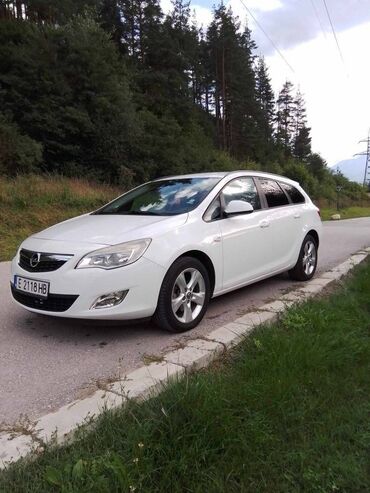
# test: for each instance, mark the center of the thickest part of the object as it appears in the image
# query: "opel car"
(165, 248)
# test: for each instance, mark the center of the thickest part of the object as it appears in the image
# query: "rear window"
(295, 195)
(274, 194)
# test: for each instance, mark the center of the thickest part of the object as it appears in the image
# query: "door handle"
(264, 223)
(297, 215)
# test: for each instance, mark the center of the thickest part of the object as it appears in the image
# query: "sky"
(336, 90)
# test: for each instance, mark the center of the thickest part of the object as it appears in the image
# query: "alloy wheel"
(309, 257)
(188, 295)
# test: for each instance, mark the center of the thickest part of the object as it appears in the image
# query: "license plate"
(30, 286)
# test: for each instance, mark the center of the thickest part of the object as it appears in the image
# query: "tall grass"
(30, 203)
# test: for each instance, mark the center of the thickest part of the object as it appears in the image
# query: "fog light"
(109, 300)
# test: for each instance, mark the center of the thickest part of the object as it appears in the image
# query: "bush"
(298, 172)
(18, 153)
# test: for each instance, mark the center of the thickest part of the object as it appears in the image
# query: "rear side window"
(295, 195)
(274, 194)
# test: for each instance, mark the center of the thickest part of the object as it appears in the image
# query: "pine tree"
(180, 16)
(141, 25)
(217, 39)
(197, 70)
(246, 125)
(301, 145)
(264, 93)
(45, 11)
(266, 112)
(204, 73)
(111, 20)
(181, 52)
(299, 113)
(285, 118)
(232, 83)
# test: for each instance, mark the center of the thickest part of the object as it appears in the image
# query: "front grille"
(53, 303)
(41, 262)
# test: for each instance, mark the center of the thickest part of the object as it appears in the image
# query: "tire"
(184, 296)
(305, 268)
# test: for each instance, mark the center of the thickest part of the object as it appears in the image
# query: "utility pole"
(339, 188)
(367, 163)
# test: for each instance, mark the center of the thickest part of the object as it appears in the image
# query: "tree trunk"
(141, 35)
(18, 5)
(217, 104)
(207, 97)
(223, 90)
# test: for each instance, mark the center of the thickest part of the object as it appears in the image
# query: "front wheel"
(306, 264)
(184, 296)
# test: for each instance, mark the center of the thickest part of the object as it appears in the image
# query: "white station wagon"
(165, 248)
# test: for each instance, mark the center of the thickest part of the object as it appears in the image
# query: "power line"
(267, 36)
(333, 31)
(318, 18)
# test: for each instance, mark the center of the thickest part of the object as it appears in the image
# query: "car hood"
(100, 229)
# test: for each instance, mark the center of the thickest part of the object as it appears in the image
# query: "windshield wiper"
(139, 213)
(105, 213)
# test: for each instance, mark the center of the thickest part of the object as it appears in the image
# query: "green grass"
(347, 213)
(287, 411)
(30, 203)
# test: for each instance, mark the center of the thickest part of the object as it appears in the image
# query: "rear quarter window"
(274, 194)
(295, 195)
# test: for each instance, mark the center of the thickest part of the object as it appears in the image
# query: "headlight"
(115, 256)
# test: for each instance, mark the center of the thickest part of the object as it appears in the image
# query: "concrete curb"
(149, 380)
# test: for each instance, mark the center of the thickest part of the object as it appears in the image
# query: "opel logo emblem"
(35, 259)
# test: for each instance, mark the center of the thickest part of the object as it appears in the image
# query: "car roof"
(223, 174)
(211, 174)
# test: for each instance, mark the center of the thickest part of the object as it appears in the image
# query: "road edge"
(30, 438)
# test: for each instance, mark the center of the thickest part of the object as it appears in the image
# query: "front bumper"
(142, 279)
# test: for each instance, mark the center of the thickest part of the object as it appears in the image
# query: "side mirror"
(235, 207)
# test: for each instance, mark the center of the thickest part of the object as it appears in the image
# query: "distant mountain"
(353, 169)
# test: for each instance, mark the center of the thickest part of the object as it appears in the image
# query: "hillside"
(31, 203)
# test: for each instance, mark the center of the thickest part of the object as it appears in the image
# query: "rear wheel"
(184, 296)
(305, 267)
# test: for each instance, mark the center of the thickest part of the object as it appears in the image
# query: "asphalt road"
(46, 362)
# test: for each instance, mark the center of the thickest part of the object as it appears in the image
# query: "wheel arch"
(206, 261)
(315, 235)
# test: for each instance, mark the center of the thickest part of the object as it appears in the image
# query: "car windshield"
(162, 197)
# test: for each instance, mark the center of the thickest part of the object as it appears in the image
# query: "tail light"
(319, 213)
